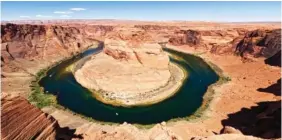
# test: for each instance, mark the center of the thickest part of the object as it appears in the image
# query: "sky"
(223, 11)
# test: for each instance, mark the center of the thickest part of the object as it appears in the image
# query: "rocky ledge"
(127, 75)
(20, 120)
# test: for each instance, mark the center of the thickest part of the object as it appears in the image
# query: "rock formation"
(20, 120)
(260, 43)
(252, 44)
(189, 37)
(127, 72)
(43, 42)
(261, 121)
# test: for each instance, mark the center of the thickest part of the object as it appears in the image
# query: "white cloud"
(63, 12)
(43, 16)
(65, 16)
(77, 9)
(24, 16)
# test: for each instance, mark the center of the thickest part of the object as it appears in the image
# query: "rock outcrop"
(260, 43)
(186, 37)
(230, 130)
(252, 44)
(203, 38)
(261, 121)
(20, 120)
(148, 55)
(46, 41)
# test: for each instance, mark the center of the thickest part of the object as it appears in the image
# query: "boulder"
(230, 130)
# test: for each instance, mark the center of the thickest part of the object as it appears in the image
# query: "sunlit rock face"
(148, 55)
(47, 42)
(126, 70)
(21, 120)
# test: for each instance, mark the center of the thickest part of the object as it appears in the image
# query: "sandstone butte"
(130, 75)
(247, 105)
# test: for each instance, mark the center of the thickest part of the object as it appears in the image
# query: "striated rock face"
(202, 38)
(148, 55)
(45, 41)
(133, 36)
(189, 37)
(257, 43)
(20, 120)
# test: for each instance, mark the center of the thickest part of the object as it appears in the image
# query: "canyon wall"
(55, 41)
(46, 41)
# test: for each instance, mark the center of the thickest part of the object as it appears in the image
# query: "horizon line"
(141, 20)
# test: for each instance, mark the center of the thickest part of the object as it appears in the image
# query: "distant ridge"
(119, 21)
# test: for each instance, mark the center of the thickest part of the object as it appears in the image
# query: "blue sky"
(147, 10)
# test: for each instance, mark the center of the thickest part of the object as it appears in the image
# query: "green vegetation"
(37, 96)
(199, 53)
(225, 78)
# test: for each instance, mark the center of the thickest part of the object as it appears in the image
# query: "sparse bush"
(226, 78)
(37, 96)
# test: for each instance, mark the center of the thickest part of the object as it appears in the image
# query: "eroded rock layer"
(260, 43)
(22, 121)
(45, 42)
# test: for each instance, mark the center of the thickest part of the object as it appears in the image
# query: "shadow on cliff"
(274, 60)
(66, 133)
(274, 88)
(261, 121)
